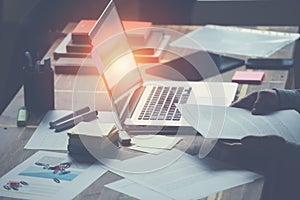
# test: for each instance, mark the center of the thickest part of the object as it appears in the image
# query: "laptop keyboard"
(160, 104)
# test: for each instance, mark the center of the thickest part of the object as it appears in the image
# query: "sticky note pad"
(248, 77)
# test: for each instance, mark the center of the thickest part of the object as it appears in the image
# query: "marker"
(71, 123)
(70, 116)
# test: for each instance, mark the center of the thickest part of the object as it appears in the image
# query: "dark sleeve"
(289, 99)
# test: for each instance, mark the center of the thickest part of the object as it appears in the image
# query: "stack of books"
(89, 137)
(73, 52)
(146, 43)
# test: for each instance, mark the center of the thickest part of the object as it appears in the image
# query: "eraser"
(124, 138)
(255, 77)
(22, 117)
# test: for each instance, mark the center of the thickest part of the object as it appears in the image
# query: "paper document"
(154, 144)
(46, 139)
(155, 141)
(186, 177)
(49, 175)
(236, 123)
(136, 190)
(234, 40)
(146, 149)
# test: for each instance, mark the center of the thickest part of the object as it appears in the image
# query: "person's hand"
(265, 147)
(260, 102)
(257, 153)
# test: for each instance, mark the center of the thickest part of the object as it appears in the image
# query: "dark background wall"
(258, 12)
(25, 25)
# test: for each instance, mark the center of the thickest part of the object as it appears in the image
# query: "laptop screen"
(114, 58)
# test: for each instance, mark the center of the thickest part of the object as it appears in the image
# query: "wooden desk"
(13, 139)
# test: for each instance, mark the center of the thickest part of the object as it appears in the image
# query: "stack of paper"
(236, 123)
(90, 136)
(154, 144)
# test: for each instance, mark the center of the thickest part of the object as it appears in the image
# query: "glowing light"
(118, 69)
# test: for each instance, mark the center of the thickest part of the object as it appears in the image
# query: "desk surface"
(13, 138)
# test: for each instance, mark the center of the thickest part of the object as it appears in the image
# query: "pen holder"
(39, 89)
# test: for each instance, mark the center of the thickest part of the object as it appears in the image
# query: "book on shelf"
(139, 34)
(71, 57)
(61, 50)
(79, 48)
(80, 34)
(137, 31)
(150, 46)
(157, 54)
(67, 62)
(75, 65)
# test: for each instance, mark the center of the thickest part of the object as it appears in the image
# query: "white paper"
(47, 139)
(186, 177)
(136, 190)
(155, 141)
(41, 184)
(236, 123)
(146, 149)
(142, 164)
(235, 40)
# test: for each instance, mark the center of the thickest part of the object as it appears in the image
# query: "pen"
(71, 123)
(37, 66)
(70, 116)
(29, 59)
(47, 63)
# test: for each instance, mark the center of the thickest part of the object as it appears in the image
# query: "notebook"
(145, 106)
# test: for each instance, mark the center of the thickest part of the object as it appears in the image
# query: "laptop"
(145, 106)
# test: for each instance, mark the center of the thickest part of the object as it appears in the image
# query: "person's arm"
(269, 100)
(288, 99)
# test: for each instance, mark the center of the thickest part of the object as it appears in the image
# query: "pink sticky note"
(248, 77)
